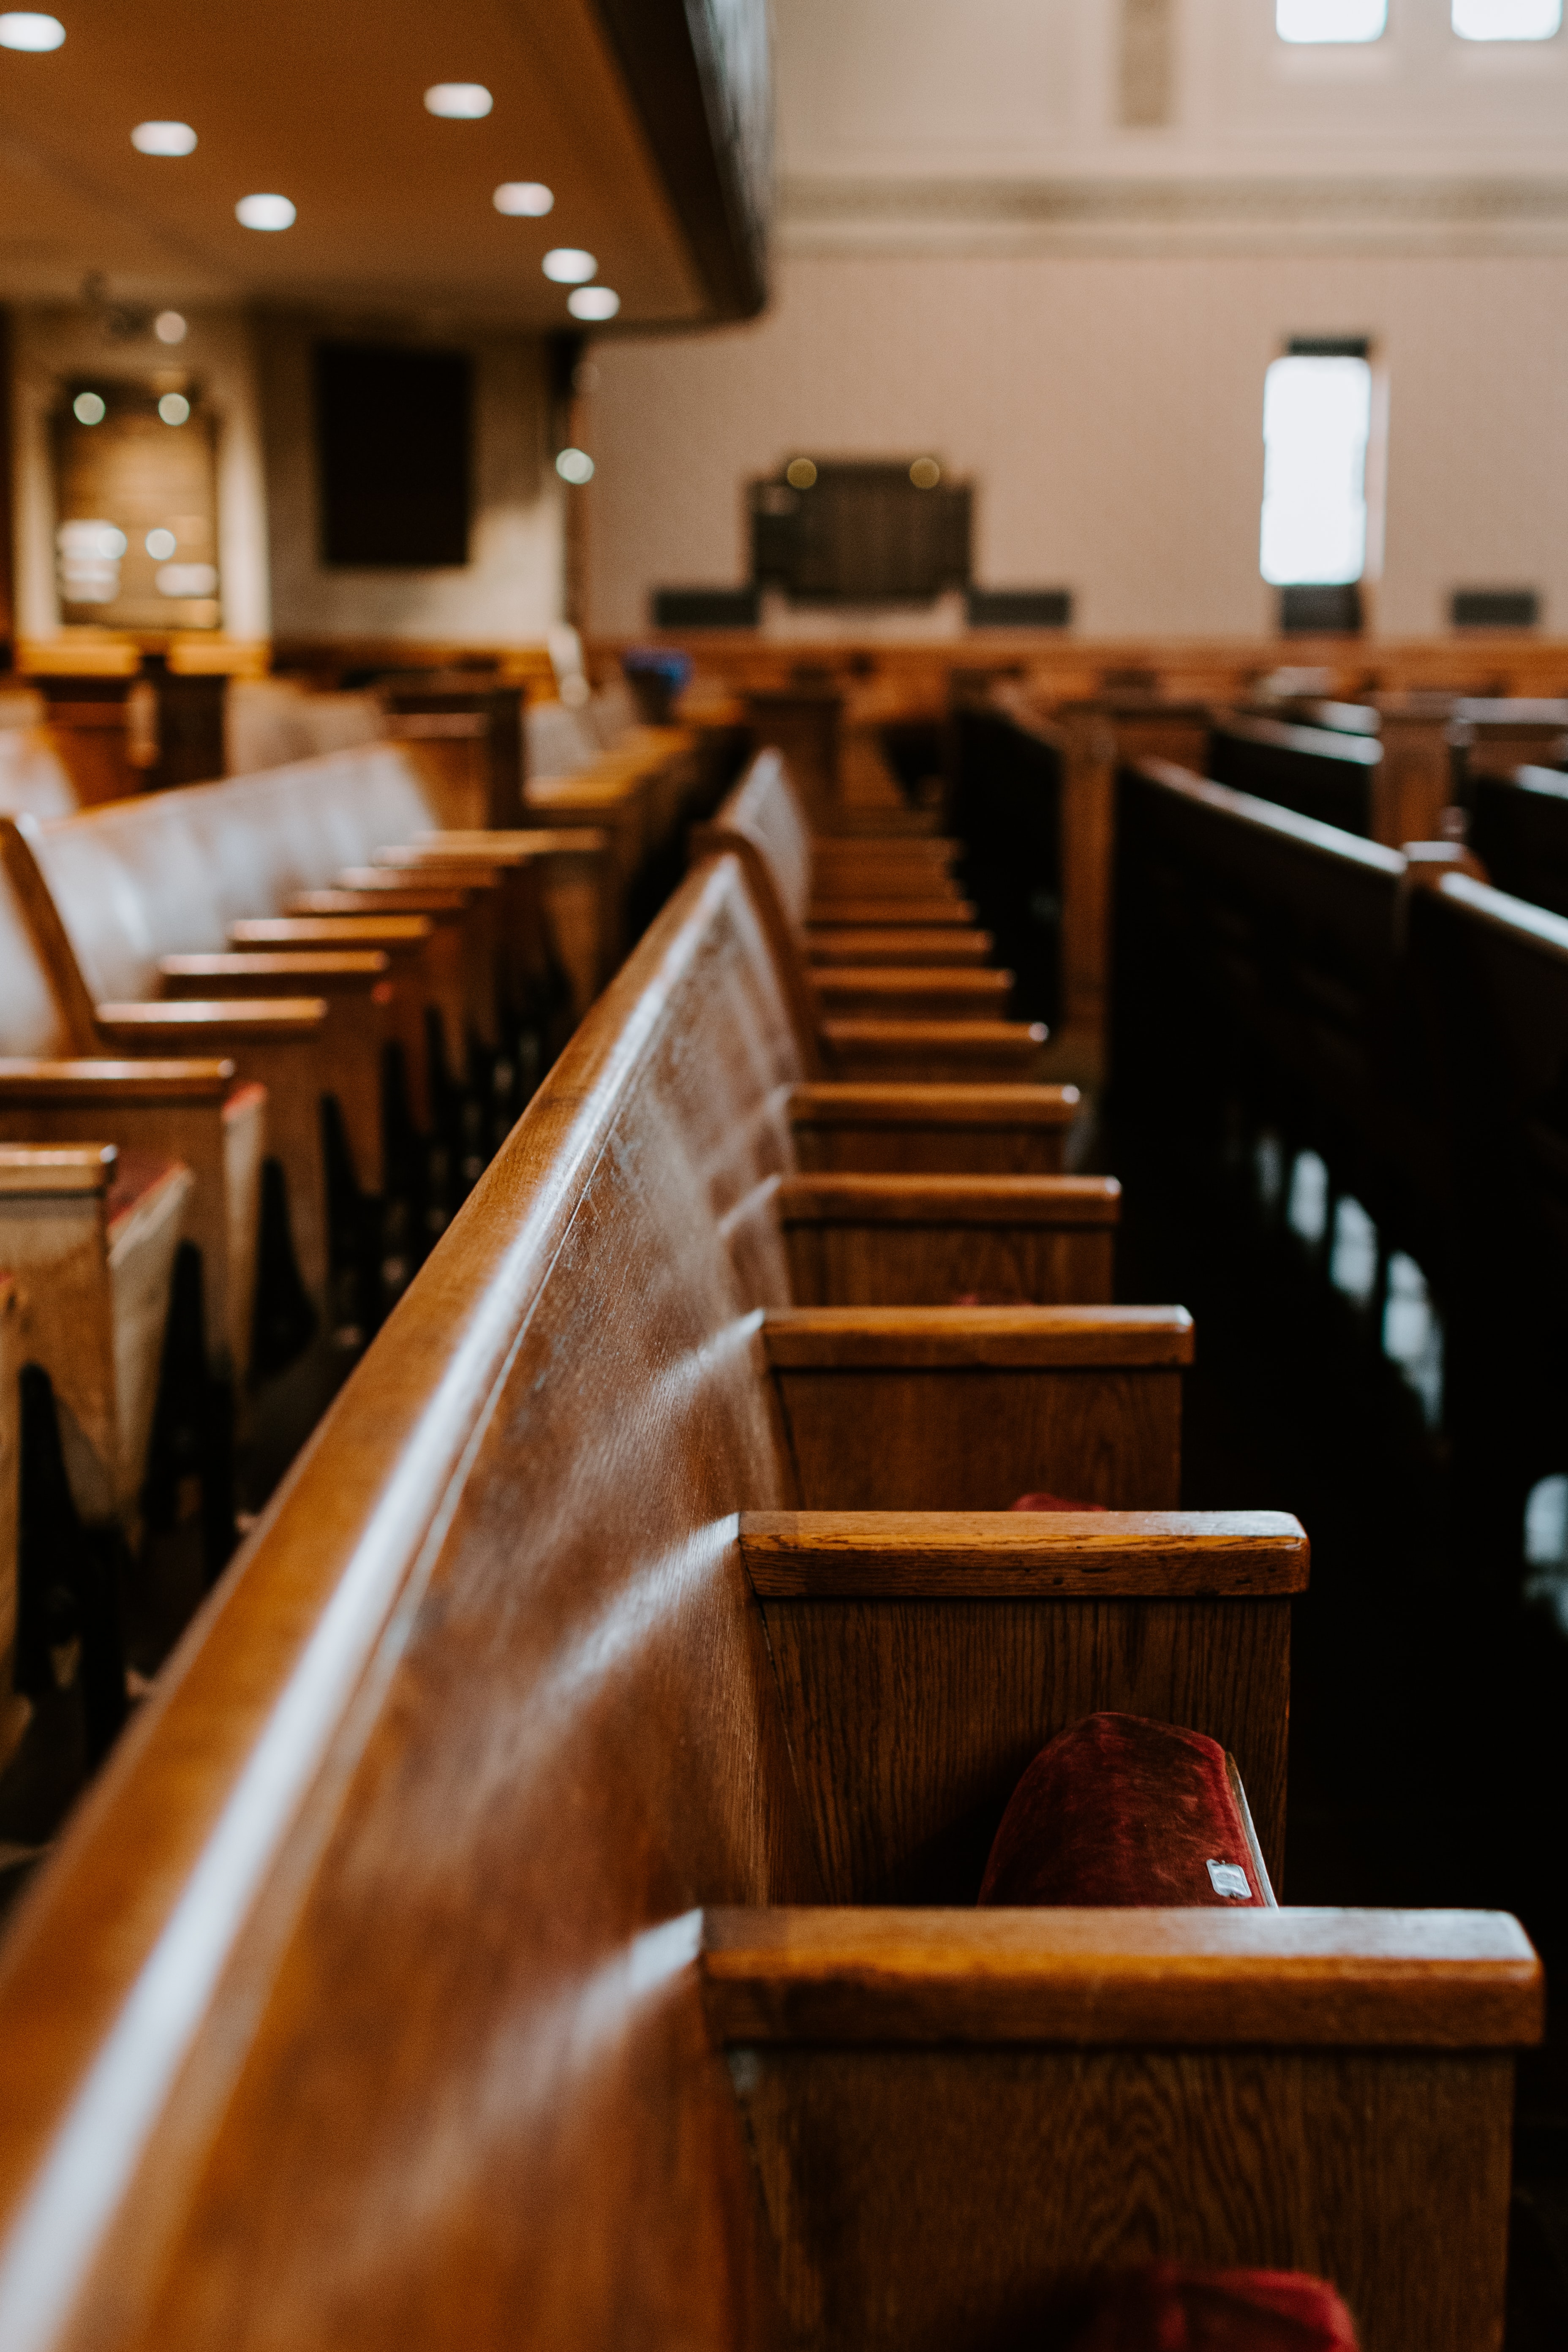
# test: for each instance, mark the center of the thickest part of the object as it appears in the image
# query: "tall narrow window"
(1507, 20)
(1341, 20)
(1316, 420)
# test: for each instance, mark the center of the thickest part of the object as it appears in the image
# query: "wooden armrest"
(892, 1105)
(864, 912)
(343, 968)
(392, 900)
(1020, 1555)
(113, 1083)
(951, 1339)
(390, 883)
(837, 946)
(974, 1036)
(390, 932)
(238, 1020)
(950, 1200)
(1297, 1978)
(56, 1168)
(532, 842)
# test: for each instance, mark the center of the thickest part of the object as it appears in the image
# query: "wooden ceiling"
(322, 100)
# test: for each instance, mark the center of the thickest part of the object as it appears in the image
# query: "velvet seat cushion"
(1120, 1812)
(1170, 2309)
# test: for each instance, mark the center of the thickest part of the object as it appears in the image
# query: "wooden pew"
(1492, 973)
(764, 823)
(484, 1748)
(33, 776)
(191, 1109)
(1316, 770)
(92, 930)
(1260, 977)
(1518, 831)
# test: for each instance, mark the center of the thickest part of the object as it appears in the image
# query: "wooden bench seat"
(762, 822)
(511, 1691)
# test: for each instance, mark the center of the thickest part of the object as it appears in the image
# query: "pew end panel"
(1005, 1130)
(923, 1660)
(911, 1241)
(287, 1047)
(193, 1111)
(1021, 2097)
(965, 1409)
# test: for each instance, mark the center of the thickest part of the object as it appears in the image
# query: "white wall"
(51, 345)
(511, 589)
(1109, 412)
(983, 258)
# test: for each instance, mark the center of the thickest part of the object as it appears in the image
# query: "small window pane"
(1317, 415)
(1341, 20)
(1507, 20)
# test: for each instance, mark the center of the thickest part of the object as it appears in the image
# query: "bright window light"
(1331, 20)
(265, 212)
(568, 265)
(20, 29)
(459, 102)
(187, 579)
(524, 199)
(594, 302)
(163, 139)
(1317, 415)
(1507, 20)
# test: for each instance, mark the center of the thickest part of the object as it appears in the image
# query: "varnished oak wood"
(880, 1240)
(14, 1711)
(897, 944)
(1205, 1978)
(894, 1129)
(1006, 1555)
(938, 1339)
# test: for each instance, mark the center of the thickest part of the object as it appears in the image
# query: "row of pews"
(725, 1804)
(258, 1039)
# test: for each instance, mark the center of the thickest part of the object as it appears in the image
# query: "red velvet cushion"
(1118, 1811)
(1169, 2310)
(1042, 1502)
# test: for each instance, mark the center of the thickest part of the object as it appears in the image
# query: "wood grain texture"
(832, 945)
(984, 2180)
(943, 993)
(892, 1129)
(937, 1338)
(1010, 1555)
(911, 1720)
(1208, 1977)
(856, 1047)
(860, 914)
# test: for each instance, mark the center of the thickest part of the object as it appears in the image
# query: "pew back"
(1518, 830)
(1318, 771)
(416, 1819)
(169, 873)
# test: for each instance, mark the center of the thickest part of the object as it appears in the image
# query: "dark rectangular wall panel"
(395, 455)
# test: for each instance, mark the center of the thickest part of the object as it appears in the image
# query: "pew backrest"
(170, 873)
(33, 776)
(1316, 770)
(1518, 830)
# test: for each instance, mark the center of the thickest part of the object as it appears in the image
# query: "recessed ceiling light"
(925, 473)
(169, 327)
(264, 212)
(20, 29)
(88, 408)
(575, 465)
(173, 408)
(568, 265)
(163, 139)
(594, 302)
(159, 545)
(800, 473)
(459, 102)
(531, 198)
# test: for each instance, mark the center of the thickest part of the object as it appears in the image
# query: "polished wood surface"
(14, 1711)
